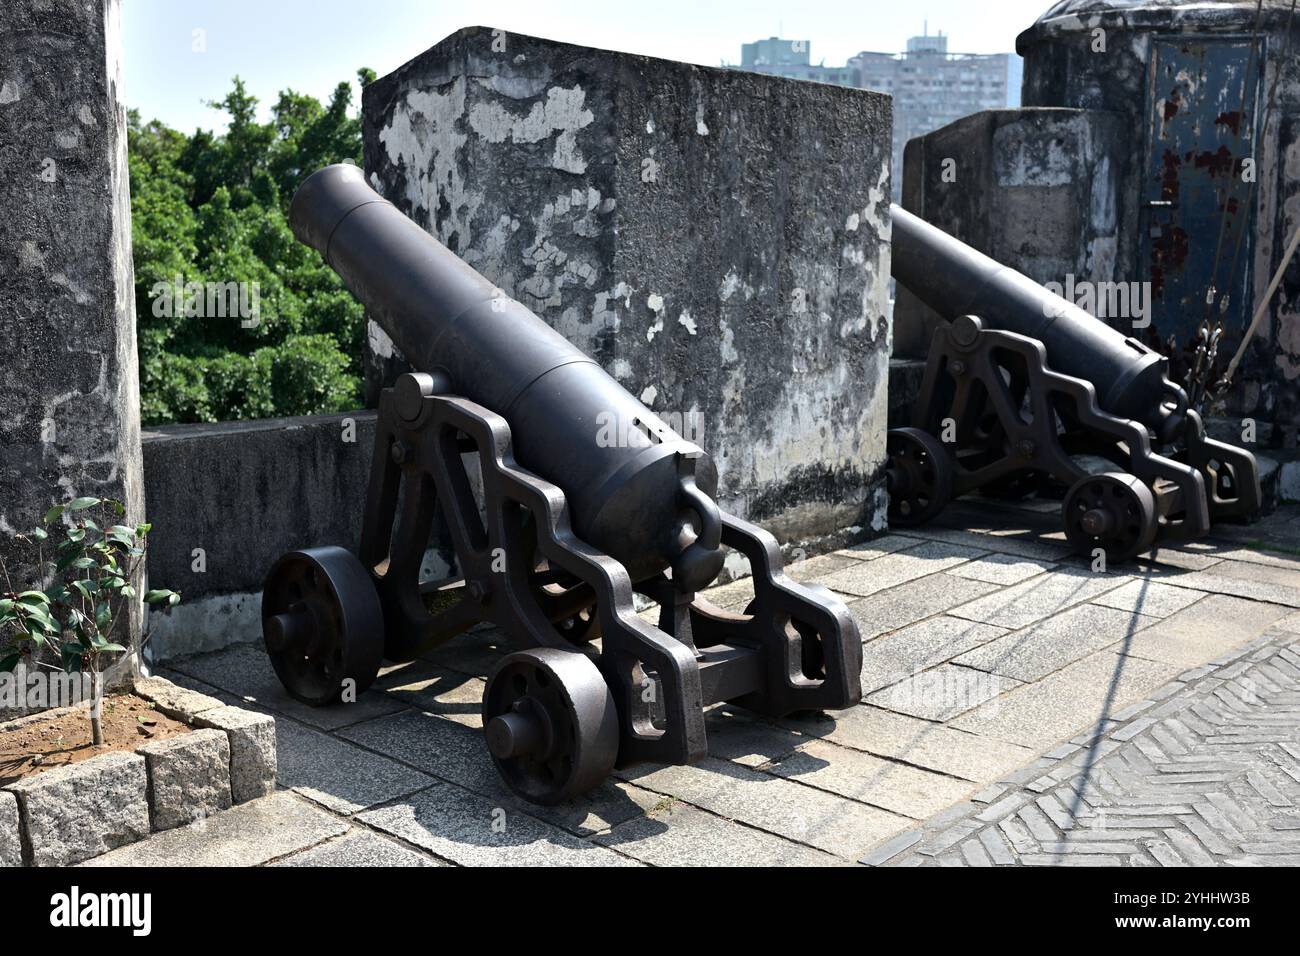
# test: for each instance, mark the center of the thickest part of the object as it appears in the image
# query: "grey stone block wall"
(718, 240)
(1037, 189)
(69, 386)
(107, 796)
(189, 777)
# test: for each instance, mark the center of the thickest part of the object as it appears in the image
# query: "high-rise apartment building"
(930, 86)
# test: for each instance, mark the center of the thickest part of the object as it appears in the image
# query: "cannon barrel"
(954, 280)
(647, 502)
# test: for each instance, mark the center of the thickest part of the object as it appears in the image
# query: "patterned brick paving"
(1210, 775)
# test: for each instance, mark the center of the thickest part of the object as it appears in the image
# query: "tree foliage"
(209, 213)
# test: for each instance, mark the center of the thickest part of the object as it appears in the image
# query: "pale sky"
(310, 45)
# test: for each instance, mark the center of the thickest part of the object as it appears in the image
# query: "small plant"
(69, 615)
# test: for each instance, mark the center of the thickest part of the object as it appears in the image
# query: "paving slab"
(1002, 568)
(1034, 546)
(471, 830)
(898, 656)
(919, 742)
(1211, 627)
(476, 652)
(244, 671)
(435, 689)
(1040, 714)
(899, 788)
(1150, 598)
(813, 569)
(895, 608)
(1253, 581)
(1022, 604)
(878, 547)
(455, 753)
(803, 814)
(337, 774)
(868, 577)
(676, 834)
(249, 834)
(942, 692)
(1036, 651)
(734, 736)
(359, 848)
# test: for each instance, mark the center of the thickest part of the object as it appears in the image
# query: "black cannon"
(557, 519)
(1024, 390)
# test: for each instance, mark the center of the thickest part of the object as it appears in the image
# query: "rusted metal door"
(1196, 219)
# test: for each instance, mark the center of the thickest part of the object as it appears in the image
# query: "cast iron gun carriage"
(554, 531)
(1022, 385)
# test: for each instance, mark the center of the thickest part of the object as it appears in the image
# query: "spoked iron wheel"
(1112, 511)
(919, 475)
(323, 624)
(551, 724)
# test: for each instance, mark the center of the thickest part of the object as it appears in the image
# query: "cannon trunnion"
(503, 438)
(1025, 391)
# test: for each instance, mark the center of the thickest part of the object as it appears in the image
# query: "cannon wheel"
(323, 624)
(1113, 511)
(919, 474)
(551, 724)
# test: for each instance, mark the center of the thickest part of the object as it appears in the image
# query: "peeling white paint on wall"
(728, 342)
(730, 283)
(700, 128)
(563, 111)
(851, 224)
(686, 321)
(9, 93)
(648, 396)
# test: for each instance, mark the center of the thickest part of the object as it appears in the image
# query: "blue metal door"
(1196, 223)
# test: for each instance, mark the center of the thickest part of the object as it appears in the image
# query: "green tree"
(235, 318)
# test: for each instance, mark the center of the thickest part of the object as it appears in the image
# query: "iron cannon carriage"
(556, 528)
(1021, 385)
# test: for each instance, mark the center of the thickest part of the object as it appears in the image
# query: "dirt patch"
(40, 743)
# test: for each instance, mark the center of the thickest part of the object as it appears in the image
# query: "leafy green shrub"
(67, 614)
(212, 210)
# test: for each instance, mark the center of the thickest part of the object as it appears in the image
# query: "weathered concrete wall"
(227, 500)
(69, 392)
(718, 240)
(1036, 189)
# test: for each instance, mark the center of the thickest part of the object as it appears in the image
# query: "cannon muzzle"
(636, 490)
(954, 280)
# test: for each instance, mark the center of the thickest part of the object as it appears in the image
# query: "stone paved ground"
(1019, 707)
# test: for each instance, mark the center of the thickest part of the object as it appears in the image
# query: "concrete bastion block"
(1036, 189)
(70, 387)
(189, 777)
(718, 240)
(73, 813)
(252, 750)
